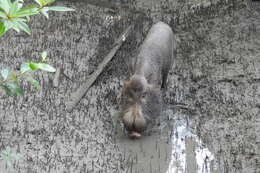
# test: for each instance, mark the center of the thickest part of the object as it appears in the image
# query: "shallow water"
(189, 153)
(169, 149)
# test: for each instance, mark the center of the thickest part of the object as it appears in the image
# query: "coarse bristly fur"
(141, 96)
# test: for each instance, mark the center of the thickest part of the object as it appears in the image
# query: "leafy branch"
(14, 16)
(10, 79)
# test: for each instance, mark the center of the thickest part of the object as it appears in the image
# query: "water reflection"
(189, 154)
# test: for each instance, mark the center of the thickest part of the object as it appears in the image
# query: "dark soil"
(211, 117)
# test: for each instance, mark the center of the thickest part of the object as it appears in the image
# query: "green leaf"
(28, 18)
(3, 15)
(49, 1)
(19, 19)
(45, 2)
(8, 91)
(44, 12)
(34, 66)
(8, 25)
(19, 91)
(34, 82)
(2, 29)
(27, 11)
(6, 152)
(46, 67)
(11, 89)
(25, 68)
(5, 5)
(29, 8)
(13, 76)
(18, 156)
(15, 88)
(11, 24)
(14, 8)
(44, 55)
(15, 25)
(58, 8)
(23, 26)
(5, 73)
(40, 2)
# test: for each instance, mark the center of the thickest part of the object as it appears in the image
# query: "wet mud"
(210, 119)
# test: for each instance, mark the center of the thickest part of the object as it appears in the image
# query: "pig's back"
(156, 52)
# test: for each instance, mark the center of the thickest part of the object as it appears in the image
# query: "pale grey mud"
(210, 121)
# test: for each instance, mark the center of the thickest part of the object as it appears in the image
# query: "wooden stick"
(78, 94)
(56, 79)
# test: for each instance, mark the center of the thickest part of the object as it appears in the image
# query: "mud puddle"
(173, 147)
(189, 153)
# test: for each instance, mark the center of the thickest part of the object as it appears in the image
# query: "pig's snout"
(134, 120)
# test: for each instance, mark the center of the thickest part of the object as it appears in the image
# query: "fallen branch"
(56, 79)
(77, 95)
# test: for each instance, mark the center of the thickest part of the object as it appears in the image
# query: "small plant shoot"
(8, 156)
(15, 15)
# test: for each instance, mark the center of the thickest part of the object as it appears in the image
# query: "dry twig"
(78, 94)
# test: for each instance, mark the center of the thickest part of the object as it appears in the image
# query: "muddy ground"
(210, 121)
